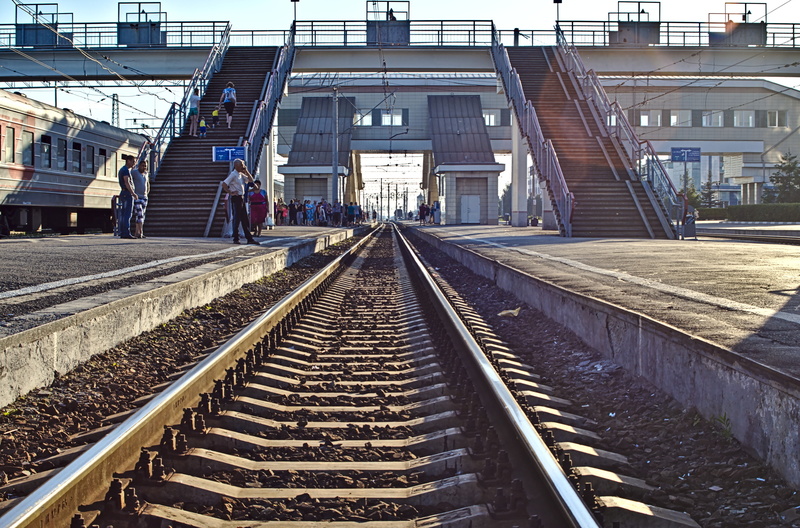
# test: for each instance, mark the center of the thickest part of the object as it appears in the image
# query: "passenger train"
(58, 170)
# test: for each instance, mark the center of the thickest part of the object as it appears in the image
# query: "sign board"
(228, 153)
(688, 154)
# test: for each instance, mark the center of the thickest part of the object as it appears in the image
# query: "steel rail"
(563, 491)
(55, 502)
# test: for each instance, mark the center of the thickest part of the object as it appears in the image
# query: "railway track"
(365, 398)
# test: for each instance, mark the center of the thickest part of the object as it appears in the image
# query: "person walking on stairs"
(228, 100)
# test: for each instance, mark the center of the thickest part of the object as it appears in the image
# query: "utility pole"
(114, 110)
(335, 149)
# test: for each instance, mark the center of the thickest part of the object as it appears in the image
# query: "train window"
(61, 155)
(89, 159)
(45, 153)
(103, 162)
(27, 148)
(76, 157)
(10, 145)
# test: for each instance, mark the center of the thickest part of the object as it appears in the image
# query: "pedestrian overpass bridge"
(600, 180)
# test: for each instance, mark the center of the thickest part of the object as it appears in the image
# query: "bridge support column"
(548, 216)
(519, 176)
(266, 170)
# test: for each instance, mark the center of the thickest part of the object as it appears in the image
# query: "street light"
(295, 9)
(392, 137)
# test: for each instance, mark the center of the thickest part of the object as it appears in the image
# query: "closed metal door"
(470, 209)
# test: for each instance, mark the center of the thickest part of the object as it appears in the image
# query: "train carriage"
(58, 169)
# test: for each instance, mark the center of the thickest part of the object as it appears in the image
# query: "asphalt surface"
(27, 262)
(742, 295)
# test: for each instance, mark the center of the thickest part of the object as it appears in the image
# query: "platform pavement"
(743, 296)
(30, 262)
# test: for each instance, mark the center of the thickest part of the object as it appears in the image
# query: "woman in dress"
(258, 207)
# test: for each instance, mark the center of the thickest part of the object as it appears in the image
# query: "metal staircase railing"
(544, 155)
(175, 120)
(641, 156)
(265, 110)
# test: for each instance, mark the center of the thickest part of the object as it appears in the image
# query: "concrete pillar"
(548, 216)
(758, 191)
(266, 170)
(519, 176)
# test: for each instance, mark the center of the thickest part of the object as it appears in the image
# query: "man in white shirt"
(234, 185)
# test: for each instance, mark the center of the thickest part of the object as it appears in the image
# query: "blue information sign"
(228, 153)
(689, 154)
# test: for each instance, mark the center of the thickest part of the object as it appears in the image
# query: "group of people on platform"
(243, 191)
(319, 213)
(427, 213)
(134, 186)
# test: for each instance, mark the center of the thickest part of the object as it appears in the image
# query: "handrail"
(544, 155)
(642, 158)
(261, 124)
(173, 123)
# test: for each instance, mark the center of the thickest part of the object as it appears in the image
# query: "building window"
(89, 159)
(362, 119)
(650, 118)
(10, 137)
(76, 156)
(713, 118)
(27, 148)
(46, 142)
(612, 120)
(103, 161)
(392, 118)
(680, 118)
(61, 155)
(744, 118)
(776, 118)
(491, 117)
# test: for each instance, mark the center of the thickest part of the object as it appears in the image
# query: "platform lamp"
(558, 10)
(294, 2)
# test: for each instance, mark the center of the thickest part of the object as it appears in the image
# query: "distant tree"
(692, 195)
(786, 180)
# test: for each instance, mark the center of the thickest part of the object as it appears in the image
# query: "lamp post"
(294, 2)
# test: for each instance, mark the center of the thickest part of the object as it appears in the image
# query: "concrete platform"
(91, 293)
(714, 322)
(748, 228)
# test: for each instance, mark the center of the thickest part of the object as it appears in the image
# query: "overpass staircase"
(185, 186)
(602, 181)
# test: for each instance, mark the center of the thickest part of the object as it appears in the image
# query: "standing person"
(337, 214)
(234, 185)
(126, 196)
(228, 100)
(309, 213)
(258, 207)
(194, 111)
(141, 186)
(292, 214)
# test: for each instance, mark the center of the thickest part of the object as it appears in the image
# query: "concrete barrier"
(33, 358)
(762, 404)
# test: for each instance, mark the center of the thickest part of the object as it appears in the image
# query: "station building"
(742, 127)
